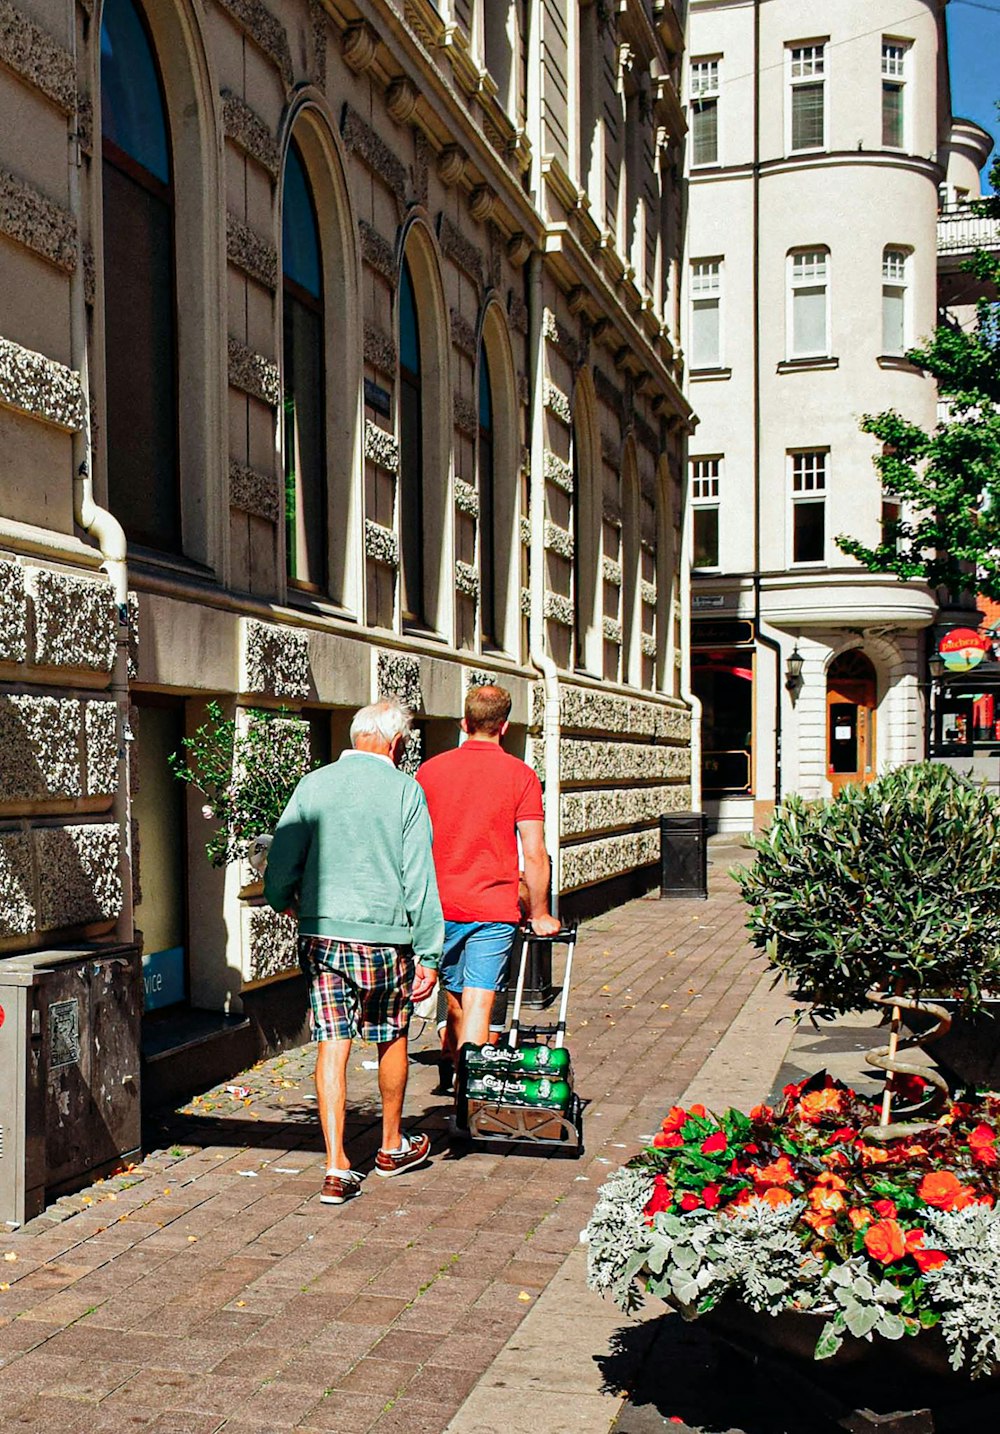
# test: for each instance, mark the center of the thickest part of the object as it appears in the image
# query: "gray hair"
(385, 719)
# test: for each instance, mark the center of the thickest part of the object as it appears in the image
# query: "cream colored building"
(339, 355)
(818, 138)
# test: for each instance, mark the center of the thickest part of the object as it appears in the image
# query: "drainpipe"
(540, 659)
(686, 690)
(102, 526)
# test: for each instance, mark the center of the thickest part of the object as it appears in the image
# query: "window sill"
(417, 629)
(704, 572)
(816, 564)
(705, 375)
(153, 559)
(807, 365)
(307, 601)
(897, 361)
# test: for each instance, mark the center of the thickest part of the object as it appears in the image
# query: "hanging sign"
(962, 649)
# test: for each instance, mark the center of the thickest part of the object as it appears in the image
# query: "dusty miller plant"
(894, 883)
(616, 1231)
(967, 1286)
(246, 773)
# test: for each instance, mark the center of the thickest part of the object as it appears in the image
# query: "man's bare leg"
(392, 1072)
(331, 1098)
(453, 1030)
(477, 1007)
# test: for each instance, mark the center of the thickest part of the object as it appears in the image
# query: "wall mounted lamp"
(793, 672)
(935, 666)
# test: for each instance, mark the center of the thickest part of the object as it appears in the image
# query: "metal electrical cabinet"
(70, 1025)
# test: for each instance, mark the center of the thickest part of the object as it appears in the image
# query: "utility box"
(684, 855)
(70, 1025)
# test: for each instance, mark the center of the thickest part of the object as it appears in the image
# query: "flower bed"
(796, 1208)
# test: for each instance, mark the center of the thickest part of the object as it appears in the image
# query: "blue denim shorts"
(476, 954)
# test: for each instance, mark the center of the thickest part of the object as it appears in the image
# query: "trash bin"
(69, 1071)
(683, 855)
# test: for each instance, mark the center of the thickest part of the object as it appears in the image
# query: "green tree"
(948, 479)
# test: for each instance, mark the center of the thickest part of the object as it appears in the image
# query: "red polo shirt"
(477, 793)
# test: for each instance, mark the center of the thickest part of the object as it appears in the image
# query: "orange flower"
(675, 1118)
(885, 1242)
(699, 1111)
(762, 1113)
(860, 1219)
(874, 1155)
(779, 1172)
(775, 1196)
(667, 1140)
(820, 1220)
(982, 1135)
(924, 1259)
(945, 1191)
(884, 1209)
(833, 1181)
(830, 1202)
(819, 1102)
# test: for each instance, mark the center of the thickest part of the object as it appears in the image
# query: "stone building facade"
(339, 356)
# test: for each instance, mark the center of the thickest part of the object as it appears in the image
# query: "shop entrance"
(159, 808)
(851, 700)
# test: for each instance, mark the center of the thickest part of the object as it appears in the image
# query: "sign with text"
(962, 649)
(163, 978)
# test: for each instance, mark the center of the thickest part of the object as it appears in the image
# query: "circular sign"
(3, 1015)
(962, 649)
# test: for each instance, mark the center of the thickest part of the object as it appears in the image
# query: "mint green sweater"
(352, 852)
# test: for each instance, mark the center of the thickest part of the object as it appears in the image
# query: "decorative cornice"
(361, 139)
(27, 217)
(559, 541)
(558, 609)
(455, 246)
(482, 202)
(258, 494)
(450, 164)
(558, 404)
(247, 251)
(265, 30)
(557, 471)
(39, 386)
(377, 251)
(380, 351)
(249, 132)
(612, 630)
(36, 58)
(466, 417)
(466, 498)
(381, 447)
(611, 572)
(252, 373)
(466, 579)
(401, 99)
(381, 544)
(358, 45)
(463, 335)
(519, 246)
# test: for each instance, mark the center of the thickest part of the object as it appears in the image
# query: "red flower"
(750, 1148)
(776, 1196)
(818, 1103)
(661, 1199)
(675, 1118)
(762, 1113)
(710, 1196)
(699, 1111)
(690, 1201)
(885, 1241)
(986, 1155)
(715, 1144)
(924, 1259)
(884, 1209)
(779, 1172)
(843, 1135)
(669, 1141)
(945, 1191)
(982, 1143)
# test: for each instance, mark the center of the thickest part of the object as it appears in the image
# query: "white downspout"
(686, 693)
(551, 725)
(102, 526)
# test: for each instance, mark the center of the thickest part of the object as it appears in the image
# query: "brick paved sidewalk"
(209, 1289)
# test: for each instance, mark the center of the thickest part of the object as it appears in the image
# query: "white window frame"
(806, 280)
(808, 483)
(706, 285)
(805, 64)
(896, 277)
(705, 485)
(895, 71)
(704, 83)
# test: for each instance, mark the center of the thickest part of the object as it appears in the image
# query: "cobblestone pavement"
(209, 1289)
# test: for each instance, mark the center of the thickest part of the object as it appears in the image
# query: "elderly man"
(351, 858)
(481, 800)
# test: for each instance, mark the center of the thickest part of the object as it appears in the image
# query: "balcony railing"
(960, 230)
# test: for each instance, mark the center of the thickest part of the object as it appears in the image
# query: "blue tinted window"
(132, 111)
(409, 334)
(299, 231)
(485, 392)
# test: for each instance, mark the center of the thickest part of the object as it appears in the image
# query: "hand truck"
(519, 1090)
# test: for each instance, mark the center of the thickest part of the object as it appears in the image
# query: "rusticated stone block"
(78, 878)
(413, 755)
(36, 57)
(275, 660)
(40, 742)
(76, 622)
(380, 351)
(466, 498)
(647, 643)
(377, 251)
(39, 386)
(249, 252)
(586, 709)
(600, 860)
(558, 403)
(252, 492)
(101, 732)
(559, 609)
(397, 674)
(381, 447)
(254, 374)
(13, 614)
(381, 544)
(593, 762)
(457, 247)
(466, 579)
(17, 906)
(604, 809)
(247, 130)
(558, 540)
(361, 139)
(265, 30)
(272, 941)
(31, 219)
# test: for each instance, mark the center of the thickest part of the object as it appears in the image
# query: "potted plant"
(246, 767)
(823, 1213)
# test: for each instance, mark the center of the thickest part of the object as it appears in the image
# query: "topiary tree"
(887, 895)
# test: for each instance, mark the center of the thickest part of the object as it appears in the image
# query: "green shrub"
(896, 884)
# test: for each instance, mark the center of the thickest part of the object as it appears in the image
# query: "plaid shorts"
(357, 990)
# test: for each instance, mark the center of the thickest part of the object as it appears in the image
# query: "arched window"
(411, 457)
(140, 322)
(305, 387)
(488, 624)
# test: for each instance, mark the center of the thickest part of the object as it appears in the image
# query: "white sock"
(340, 1172)
(400, 1149)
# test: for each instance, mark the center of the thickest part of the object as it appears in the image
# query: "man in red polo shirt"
(480, 800)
